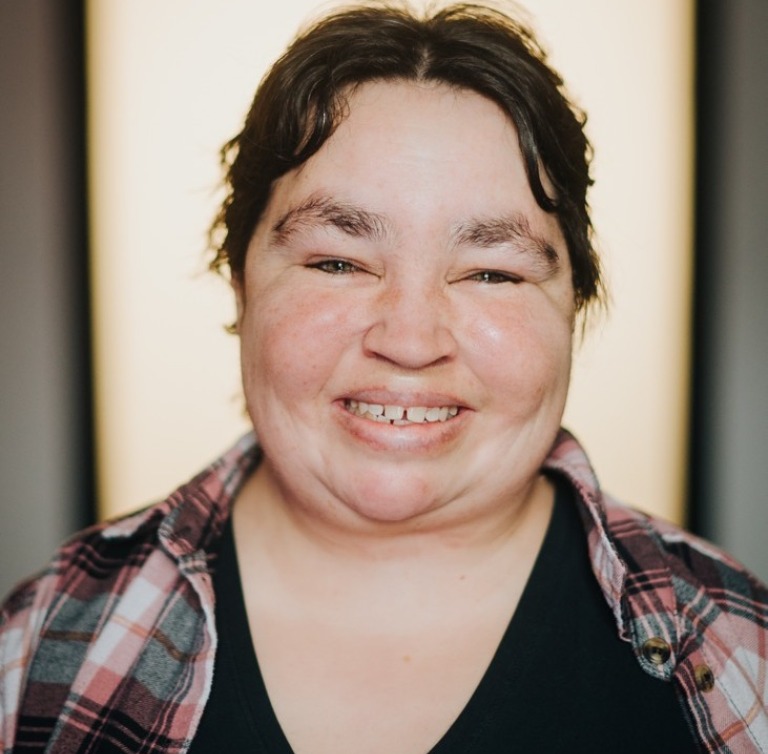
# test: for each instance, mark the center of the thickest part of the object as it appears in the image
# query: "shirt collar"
(193, 516)
(642, 597)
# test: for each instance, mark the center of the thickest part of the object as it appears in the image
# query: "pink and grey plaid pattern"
(111, 649)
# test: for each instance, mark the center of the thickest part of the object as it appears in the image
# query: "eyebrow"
(320, 210)
(512, 230)
(323, 211)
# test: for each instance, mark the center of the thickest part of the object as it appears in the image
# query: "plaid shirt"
(111, 649)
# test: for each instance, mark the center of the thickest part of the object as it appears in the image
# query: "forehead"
(420, 153)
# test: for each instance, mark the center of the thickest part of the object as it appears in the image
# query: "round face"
(406, 314)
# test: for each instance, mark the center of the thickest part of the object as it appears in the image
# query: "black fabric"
(238, 716)
(561, 679)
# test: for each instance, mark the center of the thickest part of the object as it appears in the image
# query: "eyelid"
(500, 277)
(327, 266)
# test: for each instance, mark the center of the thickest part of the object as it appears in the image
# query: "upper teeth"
(401, 414)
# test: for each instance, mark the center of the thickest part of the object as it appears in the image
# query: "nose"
(412, 326)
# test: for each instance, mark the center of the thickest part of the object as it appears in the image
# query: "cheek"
(290, 343)
(523, 353)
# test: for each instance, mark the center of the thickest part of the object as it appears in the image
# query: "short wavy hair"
(302, 99)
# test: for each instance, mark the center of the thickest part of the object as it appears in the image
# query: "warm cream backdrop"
(170, 80)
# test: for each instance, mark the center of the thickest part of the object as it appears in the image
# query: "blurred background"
(117, 380)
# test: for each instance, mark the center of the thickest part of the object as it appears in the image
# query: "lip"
(428, 438)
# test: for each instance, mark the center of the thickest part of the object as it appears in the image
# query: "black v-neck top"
(561, 680)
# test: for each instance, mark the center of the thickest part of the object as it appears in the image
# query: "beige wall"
(170, 81)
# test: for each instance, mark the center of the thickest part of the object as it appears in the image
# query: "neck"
(315, 549)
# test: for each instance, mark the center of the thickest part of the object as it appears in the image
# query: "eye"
(493, 277)
(334, 266)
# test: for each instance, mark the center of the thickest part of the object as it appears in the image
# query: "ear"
(238, 289)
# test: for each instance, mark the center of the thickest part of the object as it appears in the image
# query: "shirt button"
(656, 650)
(705, 678)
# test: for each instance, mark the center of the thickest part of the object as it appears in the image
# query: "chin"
(392, 501)
(391, 512)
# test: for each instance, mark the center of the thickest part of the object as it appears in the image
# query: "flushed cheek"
(521, 362)
(293, 343)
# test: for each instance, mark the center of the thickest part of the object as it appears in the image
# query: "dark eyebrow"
(323, 211)
(514, 230)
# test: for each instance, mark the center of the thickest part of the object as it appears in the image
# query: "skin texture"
(406, 263)
(406, 315)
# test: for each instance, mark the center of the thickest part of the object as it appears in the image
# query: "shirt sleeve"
(21, 617)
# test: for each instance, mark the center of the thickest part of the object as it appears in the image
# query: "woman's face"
(406, 313)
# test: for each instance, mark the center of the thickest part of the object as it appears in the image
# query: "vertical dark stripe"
(709, 75)
(69, 19)
(86, 508)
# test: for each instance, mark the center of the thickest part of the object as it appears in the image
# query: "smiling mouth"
(400, 416)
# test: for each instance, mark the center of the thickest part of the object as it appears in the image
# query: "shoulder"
(695, 614)
(104, 557)
(633, 552)
(694, 565)
(692, 613)
(82, 569)
(116, 603)
(51, 617)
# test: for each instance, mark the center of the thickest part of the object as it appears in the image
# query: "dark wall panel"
(730, 431)
(45, 487)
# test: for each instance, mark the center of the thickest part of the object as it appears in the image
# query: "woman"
(409, 555)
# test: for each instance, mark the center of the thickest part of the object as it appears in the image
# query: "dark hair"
(302, 99)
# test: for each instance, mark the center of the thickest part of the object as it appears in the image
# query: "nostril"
(413, 344)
